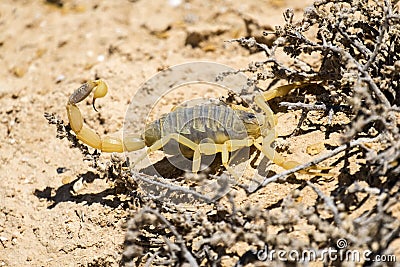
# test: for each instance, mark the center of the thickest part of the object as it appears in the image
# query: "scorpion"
(199, 130)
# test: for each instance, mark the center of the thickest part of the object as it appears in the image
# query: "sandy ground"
(46, 52)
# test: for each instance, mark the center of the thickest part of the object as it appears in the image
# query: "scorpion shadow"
(164, 168)
(65, 193)
(168, 168)
(108, 197)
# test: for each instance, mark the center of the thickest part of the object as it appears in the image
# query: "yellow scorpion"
(200, 130)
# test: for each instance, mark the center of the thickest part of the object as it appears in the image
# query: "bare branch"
(179, 240)
(299, 105)
(382, 31)
(173, 188)
(328, 201)
(314, 162)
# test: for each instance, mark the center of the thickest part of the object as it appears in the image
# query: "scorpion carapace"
(204, 129)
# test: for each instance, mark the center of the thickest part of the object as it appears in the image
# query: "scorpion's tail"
(87, 135)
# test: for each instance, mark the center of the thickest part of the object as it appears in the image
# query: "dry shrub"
(357, 43)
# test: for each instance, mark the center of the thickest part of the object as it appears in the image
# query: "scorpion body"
(203, 129)
(212, 122)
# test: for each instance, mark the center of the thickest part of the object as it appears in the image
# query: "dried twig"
(282, 175)
(382, 31)
(316, 106)
(179, 240)
(328, 201)
(173, 188)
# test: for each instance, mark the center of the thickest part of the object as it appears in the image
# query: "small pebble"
(25, 159)
(67, 179)
(60, 78)
(78, 185)
(175, 3)
(100, 58)
(61, 170)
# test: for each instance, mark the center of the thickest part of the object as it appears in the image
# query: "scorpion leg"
(283, 90)
(163, 141)
(87, 135)
(224, 149)
(261, 98)
(268, 135)
(264, 143)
